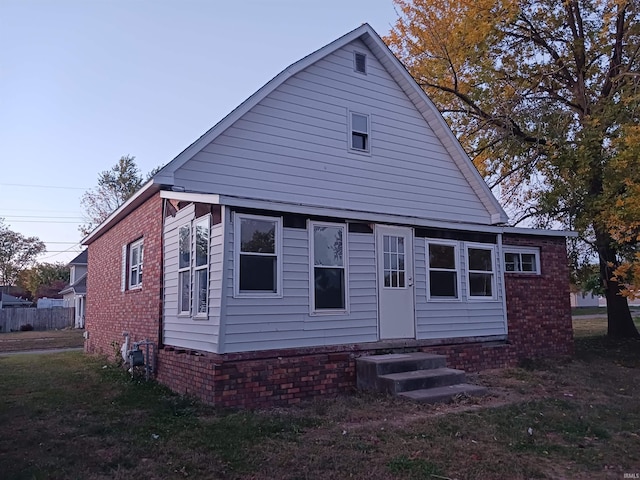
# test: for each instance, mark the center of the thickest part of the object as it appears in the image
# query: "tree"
(16, 253)
(544, 97)
(115, 187)
(44, 280)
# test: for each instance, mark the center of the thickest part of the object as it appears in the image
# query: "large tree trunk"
(619, 321)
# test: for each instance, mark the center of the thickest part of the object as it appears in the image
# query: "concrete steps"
(422, 377)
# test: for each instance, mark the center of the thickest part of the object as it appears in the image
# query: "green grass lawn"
(68, 416)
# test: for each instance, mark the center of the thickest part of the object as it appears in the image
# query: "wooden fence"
(11, 319)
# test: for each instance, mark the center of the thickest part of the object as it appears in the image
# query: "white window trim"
(237, 220)
(345, 257)
(494, 273)
(535, 251)
(201, 315)
(350, 132)
(366, 63)
(456, 252)
(138, 244)
(185, 313)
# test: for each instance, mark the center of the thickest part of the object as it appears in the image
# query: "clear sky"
(83, 82)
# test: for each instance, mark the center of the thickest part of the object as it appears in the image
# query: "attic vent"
(360, 61)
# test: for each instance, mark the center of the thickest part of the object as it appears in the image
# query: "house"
(10, 301)
(333, 214)
(75, 293)
(584, 299)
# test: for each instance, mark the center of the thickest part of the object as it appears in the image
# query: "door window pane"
(394, 268)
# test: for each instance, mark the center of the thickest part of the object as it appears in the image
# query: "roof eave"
(142, 195)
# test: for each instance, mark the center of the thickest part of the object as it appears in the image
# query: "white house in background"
(584, 299)
(75, 294)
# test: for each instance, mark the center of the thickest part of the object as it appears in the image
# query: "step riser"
(430, 397)
(397, 386)
(367, 372)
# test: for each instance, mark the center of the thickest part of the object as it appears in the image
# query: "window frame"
(458, 270)
(183, 270)
(195, 302)
(535, 251)
(313, 311)
(355, 62)
(352, 131)
(139, 267)
(237, 226)
(493, 272)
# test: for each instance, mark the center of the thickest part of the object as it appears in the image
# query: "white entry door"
(394, 246)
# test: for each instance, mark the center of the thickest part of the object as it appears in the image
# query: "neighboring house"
(75, 294)
(9, 301)
(584, 299)
(333, 214)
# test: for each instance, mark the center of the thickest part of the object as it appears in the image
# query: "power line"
(37, 216)
(44, 221)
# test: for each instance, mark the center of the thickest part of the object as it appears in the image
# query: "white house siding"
(456, 319)
(273, 323)
(186, 331)
(293, 147)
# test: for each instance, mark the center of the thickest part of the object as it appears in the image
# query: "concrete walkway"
(36, 352)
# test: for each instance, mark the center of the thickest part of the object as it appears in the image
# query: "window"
(258, 263)
(394, 268)
(359, 132)
(522, 260)
(360, 62)
(136, 254)
(480, 278)
(442, 262)
(202, 266)
(328, 273)
(184, 270)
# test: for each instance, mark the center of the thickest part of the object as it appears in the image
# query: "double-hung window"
(184, 269)
(522, 260)
(258, 258)
(328, 271)
(481, 272)
(193, 268)
(136, 257)
(359, 130)
(444, 281)
(201, 269)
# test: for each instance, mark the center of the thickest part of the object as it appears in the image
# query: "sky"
(84, 82)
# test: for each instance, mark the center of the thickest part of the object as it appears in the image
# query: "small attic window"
(360, 62)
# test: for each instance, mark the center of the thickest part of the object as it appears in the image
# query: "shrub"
(26, 328)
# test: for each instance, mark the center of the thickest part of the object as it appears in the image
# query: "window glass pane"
(327, 246)
(185, 247)
(528, 262)
(387, 278)
(400, 244)
(443, 284)
(202, 243)
(442, 256)
(385, 243)
(134, 256)
(480, 259)
(141, 258)
(401, 279)
(257, 273)
(185, 293)
(510, 262)
(359, 141)
(201, 289)
(329, 288)
(359, 123)
(257, 236)
(133, 280)
(401, 262)
(480, 284)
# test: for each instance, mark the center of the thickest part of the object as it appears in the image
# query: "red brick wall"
(538, 306)
(109, 311)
